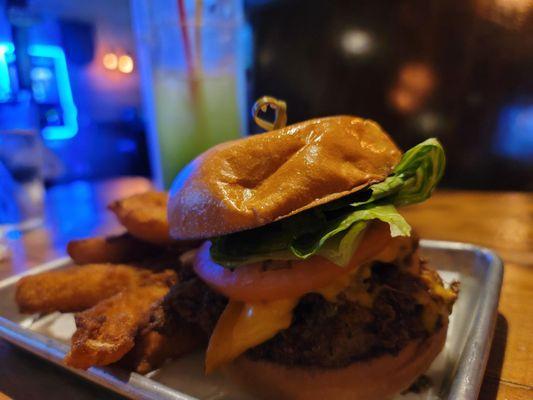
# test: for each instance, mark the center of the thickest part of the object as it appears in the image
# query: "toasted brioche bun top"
(250, 182)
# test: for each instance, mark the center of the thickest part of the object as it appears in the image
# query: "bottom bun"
(376, 379)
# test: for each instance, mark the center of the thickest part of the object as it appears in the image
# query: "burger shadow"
(491, 380)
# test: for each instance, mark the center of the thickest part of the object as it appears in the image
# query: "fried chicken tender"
(153, 348)
(111, 249)
(144, 216)
(166, 336)
(77, 288)
(107, 331)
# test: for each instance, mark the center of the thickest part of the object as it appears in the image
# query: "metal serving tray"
(456, 374)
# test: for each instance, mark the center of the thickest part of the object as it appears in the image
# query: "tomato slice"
(252, 282)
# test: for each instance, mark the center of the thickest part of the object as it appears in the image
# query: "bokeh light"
(125, 64)
(356, 42)
(415, 82)
(110, 61)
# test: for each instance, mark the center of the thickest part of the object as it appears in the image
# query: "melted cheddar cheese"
(245, 325)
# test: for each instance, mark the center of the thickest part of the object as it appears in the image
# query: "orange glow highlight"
(512, 14)
(415, 83)
(125, 64)
(110, 61)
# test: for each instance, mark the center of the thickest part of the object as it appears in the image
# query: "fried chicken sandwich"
(309, 284)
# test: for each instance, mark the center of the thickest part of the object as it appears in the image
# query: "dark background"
(458, 70)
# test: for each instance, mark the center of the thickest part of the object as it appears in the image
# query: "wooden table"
(501, 221)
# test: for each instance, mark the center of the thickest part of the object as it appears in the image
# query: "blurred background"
(104, 88)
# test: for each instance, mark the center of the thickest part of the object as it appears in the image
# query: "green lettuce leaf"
(334, 230)
(414, 178)
(339, 244)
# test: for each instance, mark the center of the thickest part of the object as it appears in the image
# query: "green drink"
(192, 73)
(187, 126)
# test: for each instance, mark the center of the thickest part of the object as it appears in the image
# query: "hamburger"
(309, 283)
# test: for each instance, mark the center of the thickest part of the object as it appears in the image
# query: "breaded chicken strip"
(110, 249)
(153, 348)
(107, 331)
(77, 288)
(144, 216)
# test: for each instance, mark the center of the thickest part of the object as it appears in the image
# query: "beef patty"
(328, 334)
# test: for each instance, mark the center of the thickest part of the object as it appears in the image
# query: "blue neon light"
(515, 136)
(70, 113)
(5, 82)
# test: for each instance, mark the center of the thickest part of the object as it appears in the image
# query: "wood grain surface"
(501, 221)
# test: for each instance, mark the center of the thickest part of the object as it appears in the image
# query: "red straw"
(189, 60)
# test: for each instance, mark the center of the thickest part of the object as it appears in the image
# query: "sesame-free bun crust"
(260, 179)
(375, 379)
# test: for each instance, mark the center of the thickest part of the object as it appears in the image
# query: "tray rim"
(465, 385)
